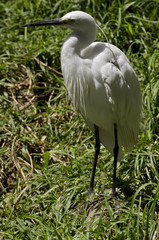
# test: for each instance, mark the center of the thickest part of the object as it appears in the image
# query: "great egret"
(102, 85)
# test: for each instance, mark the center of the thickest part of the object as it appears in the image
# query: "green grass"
(47, 149)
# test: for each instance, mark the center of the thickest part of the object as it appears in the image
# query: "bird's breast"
(88, 94)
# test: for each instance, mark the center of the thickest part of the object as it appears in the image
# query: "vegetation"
(47, 149)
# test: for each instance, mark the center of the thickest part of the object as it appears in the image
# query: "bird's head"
(76, 20)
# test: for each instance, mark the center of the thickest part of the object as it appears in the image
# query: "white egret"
(102, 85)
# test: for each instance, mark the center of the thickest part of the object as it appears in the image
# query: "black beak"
(57, 21)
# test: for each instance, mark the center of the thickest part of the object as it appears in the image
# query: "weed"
(47, 149)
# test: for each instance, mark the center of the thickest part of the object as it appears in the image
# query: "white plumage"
(102, 85)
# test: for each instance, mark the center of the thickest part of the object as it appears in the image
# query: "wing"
(123, 90)
(105, 90)
(114, 97)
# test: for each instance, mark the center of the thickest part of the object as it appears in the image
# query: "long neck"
(74, 66)
(76, 42)
(71, 60)
(70, 49)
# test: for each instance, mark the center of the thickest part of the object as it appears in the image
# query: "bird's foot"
(90, 192)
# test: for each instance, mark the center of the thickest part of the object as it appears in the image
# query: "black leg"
(116, 150)
(97, 150)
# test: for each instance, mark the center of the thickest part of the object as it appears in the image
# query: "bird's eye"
(68, 21)
(71, 21)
